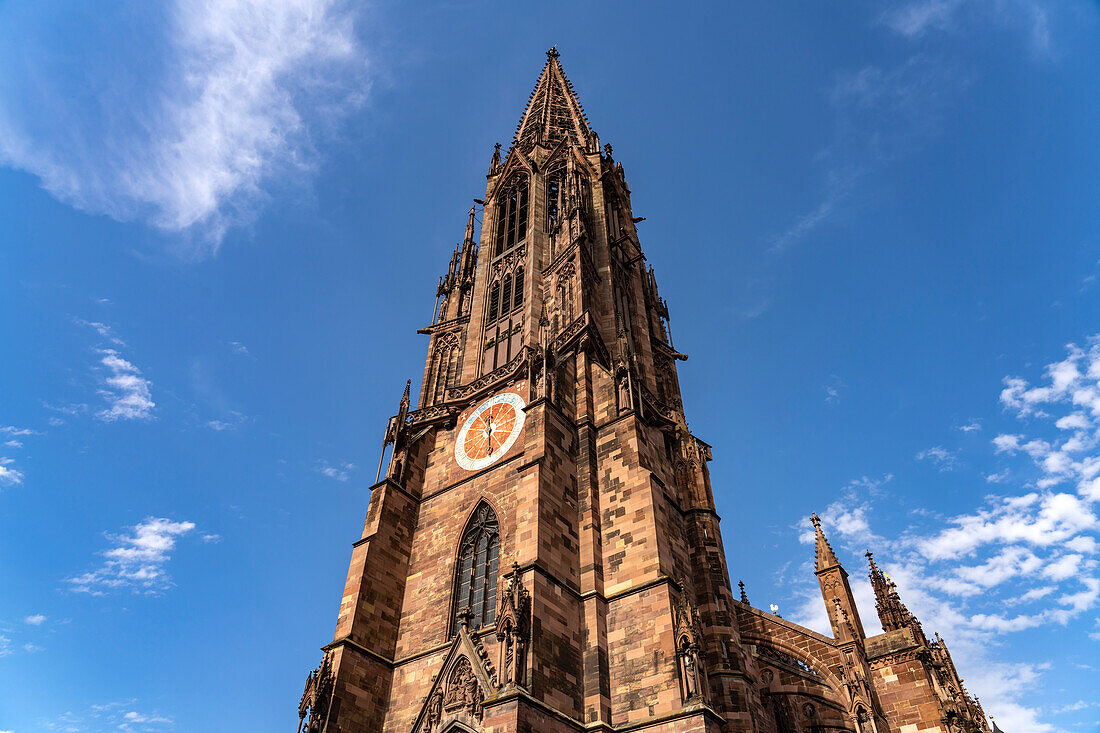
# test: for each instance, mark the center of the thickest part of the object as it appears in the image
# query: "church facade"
(541, 551)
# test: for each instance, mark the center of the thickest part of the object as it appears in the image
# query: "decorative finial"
(815, 520)
(744, 597)
(607, 150)
(552, 53)
(465, 616)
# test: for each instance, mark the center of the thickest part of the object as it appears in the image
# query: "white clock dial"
(490, 430)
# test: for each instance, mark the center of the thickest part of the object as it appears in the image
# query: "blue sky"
(221, 223)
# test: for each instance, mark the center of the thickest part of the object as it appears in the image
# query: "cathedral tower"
(541, 551)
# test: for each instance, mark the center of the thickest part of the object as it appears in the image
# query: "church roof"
(553, 112)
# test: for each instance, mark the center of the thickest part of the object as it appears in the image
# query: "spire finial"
(871, 560)
(815, 520)
(744, 597)
(552, 53)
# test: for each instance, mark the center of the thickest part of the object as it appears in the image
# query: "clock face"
(489, 431)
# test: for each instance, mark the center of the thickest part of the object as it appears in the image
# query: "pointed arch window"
(511, 217)
(476, 569)
(506, 297)
(494, 302)
(517, 295)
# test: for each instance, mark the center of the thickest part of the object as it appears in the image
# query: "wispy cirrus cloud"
(915, 18)
(883, 113)
(12, 439)
(9, 474)
(126, 391)
(199, 105)
(137, 561)
(119, 715)
(940, 457)
(340, 472)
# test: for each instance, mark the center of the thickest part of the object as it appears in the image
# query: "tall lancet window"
(476, 569)
(511, 217)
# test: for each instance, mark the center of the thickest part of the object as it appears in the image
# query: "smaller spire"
(825, 556)
(495, 162)
(744, 597)
(892, 613)
(470, 226)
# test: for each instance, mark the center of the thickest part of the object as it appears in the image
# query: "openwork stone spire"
(826, 558)
(891, 611)
(553, 112)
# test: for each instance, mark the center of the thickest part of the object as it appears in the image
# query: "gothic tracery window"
(511, 228)
(476, 569)
(517, 296)
(494, 302)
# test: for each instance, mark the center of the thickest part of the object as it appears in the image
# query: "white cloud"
(232, 421)
(35, 620)
(9, 474)
(126, 392)
(915, 18)
(972, 426)
(1064, 567)
(837, 190)
(120, 715)
(189, 143)
(102, 329)
(341, 471)
(940, 457)
(14, 432)
(135, 717)
(1035, 594)
(137, 561)
(1037, 520)
(1074, 421)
